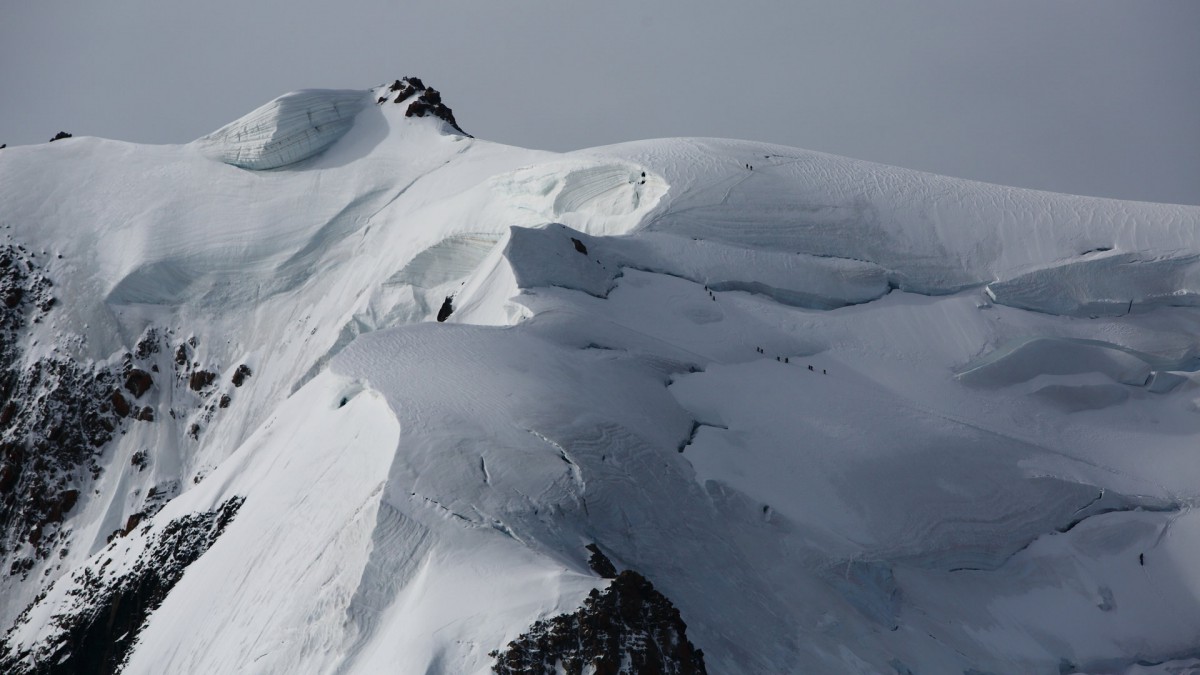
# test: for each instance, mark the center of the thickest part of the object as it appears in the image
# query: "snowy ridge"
(932, 233)
(842, 417)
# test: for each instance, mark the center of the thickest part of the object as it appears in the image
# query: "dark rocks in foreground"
(629, 628)
(55, 417)
(96, 634)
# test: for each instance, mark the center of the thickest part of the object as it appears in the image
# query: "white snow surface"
(849, 418)
(289, 129)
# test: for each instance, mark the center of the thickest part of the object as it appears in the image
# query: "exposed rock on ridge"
(629, 628)
(55, 416)
(425, 101)
(106, 607)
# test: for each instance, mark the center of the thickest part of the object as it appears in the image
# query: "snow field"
(965, 478)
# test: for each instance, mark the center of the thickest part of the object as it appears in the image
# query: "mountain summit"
(341, 389)
(303, 124)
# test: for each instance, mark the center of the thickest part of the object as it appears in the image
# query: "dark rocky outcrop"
(138, 382)
(156, 499)
(59, 136)
(95, 635)
(239, 376)
(119, 404)
(427, 101)
(579, 246)
(131, 523)
(423, 108)
(148, 345)
(600, 563)
(404, 94)
(55, 417)
(51, 446)
(629, 628)
(446, 309)
(201, 379)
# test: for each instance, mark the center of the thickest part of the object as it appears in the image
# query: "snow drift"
(289, 129)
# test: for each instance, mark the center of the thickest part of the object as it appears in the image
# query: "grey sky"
(1087, 96)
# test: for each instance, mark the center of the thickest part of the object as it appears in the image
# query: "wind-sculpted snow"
(796, 279)
(285, 131)
(785, 451)
(1028, 358)
(975, 511)
(602, 198)
(549, 257)
(1076, 374)
(1105, 284)
(843, 417)
(559, 256)
(932, 234)
(448, 260)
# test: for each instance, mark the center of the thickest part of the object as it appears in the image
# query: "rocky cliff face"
(59, 416)
(56, 415)
(107, 604)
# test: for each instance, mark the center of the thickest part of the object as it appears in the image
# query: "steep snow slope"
(845, 417)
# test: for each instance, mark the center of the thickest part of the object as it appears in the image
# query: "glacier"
(845, 417)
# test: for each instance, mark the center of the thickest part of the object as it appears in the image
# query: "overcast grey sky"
(1088, 96)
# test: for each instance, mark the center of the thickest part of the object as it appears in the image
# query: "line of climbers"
(784, 359)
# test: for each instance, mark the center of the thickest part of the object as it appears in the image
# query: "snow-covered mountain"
(341, 389)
